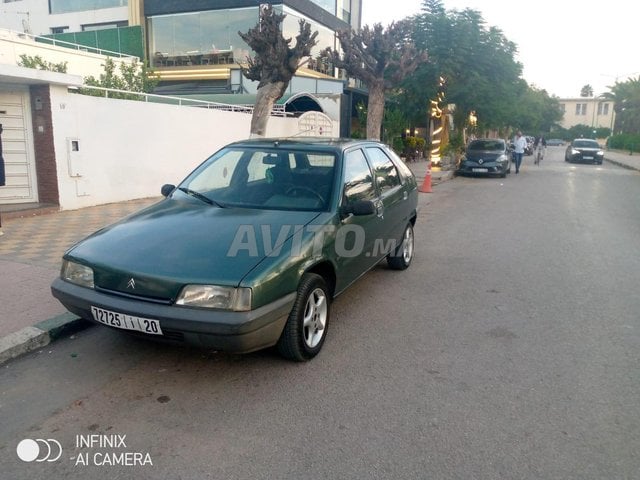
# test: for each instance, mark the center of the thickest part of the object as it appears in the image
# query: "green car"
(250, 249)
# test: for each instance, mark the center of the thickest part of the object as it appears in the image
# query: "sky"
(562, 44)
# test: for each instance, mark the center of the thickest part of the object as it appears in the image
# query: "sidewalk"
(30, 257)
(31, 251)
(623, 159)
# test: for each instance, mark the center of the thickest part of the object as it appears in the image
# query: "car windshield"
(267, 178)
(586, 144)
(486, 145)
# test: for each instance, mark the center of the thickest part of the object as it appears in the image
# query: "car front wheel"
(401, 258)
(306, 327)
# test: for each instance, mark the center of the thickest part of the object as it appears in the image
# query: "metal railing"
(277, 111)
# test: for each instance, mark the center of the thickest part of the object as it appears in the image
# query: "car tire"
(306, 328)
(401, 258)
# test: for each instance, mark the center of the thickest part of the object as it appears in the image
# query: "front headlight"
(76, 273)
(501, 159)
(575, 152)
(213, 296)
(600, 153)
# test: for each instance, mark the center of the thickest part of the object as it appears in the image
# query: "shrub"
(39, 63)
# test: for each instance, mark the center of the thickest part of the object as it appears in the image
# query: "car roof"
(298, 142)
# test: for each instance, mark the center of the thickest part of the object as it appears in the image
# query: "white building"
(593, 112)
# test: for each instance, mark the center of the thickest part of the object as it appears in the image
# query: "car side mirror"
(359, 208)
(167, 189)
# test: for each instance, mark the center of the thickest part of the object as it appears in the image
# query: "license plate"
(126, 322)
(480, 170)
(588, 158)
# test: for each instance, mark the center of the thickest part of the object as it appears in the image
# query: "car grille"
(162, 301)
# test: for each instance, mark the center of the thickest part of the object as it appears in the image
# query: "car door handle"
(379, 208)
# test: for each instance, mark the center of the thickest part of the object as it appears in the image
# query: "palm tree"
(586, 91)
(626, 99)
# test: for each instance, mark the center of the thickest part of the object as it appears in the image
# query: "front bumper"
(484, 169)
(237, 332)
(587, 158)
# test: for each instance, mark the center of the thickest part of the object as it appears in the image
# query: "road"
(508, 350)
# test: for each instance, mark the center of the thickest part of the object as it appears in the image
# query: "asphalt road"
(509, 350)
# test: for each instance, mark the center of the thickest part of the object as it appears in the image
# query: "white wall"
(129, 149)
(78, 62)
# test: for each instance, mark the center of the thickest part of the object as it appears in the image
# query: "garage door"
(17, 148)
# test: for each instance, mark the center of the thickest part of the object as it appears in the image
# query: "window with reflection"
(291, 28)
(212, 34)
(358, 182)
(328, 5)
(343, 10)
(66, 6)
(211, 37)
(385, 171)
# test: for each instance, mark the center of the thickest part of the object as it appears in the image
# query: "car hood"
(176, 242)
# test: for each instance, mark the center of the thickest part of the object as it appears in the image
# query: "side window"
(385, 171)
(358, 182)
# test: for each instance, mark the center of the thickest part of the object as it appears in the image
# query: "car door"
(357, 233)
(393, 198)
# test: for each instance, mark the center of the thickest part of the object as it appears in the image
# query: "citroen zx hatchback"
(250, 249)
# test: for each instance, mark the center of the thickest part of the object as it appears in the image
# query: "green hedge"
(625, 141)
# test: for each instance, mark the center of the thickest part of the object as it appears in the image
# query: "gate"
(17, 149)
(315, 124)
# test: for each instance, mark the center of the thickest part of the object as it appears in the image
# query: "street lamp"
(435, 112)
(473, 119)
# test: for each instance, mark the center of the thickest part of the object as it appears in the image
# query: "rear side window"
(385, 172)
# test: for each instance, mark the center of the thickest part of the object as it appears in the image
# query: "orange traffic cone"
(426, 185)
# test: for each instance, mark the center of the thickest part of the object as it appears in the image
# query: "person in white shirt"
(519, 144)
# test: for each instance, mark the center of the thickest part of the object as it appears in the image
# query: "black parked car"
(584, 150)
(486, 156)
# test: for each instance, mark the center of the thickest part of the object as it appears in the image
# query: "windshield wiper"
(200, 196)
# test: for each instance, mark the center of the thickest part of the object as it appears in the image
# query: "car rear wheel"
(306, 327)
(401, 258)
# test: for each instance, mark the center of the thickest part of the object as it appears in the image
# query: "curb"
(32, 338)
(620, 164)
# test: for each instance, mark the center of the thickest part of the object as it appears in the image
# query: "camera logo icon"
(39, 450)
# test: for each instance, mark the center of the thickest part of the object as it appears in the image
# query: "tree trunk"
(266, 98)
(375, 110)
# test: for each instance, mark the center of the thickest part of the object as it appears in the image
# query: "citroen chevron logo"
(131, 284)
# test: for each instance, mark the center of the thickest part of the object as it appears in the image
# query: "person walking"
(519, 145)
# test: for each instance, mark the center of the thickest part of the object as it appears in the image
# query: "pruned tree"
(381, 58)
(274, 62)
